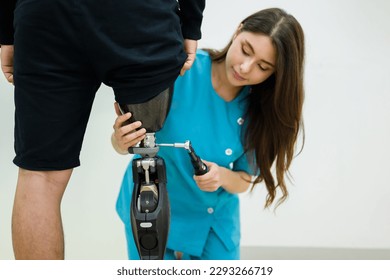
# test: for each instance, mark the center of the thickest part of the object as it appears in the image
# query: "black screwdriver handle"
(200, 167)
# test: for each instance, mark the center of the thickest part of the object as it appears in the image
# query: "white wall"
(340, 194)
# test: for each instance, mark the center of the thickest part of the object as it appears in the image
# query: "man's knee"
(43, 182)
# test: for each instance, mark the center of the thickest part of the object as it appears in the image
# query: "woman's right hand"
(125, 136)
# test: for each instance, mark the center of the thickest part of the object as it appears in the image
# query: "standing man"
(57, 53)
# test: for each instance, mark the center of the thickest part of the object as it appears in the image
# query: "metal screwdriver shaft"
(199, 166)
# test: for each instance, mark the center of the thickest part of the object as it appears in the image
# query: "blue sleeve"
(246, 164)
(124, 197)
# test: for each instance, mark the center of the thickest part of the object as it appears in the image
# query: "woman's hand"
(212, 180)
(218, 176)
(125, 136)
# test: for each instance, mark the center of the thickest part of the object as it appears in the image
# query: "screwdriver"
(200, 167)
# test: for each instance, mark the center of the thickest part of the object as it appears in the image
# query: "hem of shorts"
(122, 98)
(33, 167)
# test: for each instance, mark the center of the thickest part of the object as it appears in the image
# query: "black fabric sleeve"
(191, 14)
(6, 22)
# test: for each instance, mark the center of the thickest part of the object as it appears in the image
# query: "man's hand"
(190, 47)
(7, 62)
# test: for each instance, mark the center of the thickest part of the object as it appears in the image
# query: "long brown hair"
(274, 113)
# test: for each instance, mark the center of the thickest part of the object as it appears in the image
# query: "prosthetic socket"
(150, 210)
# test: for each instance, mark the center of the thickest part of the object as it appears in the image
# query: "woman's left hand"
(212, 180)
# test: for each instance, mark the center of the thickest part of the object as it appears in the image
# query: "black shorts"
(65, 49)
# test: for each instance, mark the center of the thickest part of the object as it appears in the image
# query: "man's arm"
(6, 22)
(191, 15)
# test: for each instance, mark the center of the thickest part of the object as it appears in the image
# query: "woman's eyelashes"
(247, 52)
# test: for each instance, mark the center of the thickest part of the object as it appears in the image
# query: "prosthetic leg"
(150, 210)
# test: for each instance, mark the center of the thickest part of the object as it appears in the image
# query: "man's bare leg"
(36, 219)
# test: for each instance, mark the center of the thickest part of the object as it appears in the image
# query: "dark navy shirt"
(191, 12)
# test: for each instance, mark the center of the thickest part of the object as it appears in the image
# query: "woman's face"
(250, 59)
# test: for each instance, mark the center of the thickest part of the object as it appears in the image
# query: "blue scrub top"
(214, 127)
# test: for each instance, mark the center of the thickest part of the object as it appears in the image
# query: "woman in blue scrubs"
(241, 108)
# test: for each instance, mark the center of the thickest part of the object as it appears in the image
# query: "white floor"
(283, 253)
